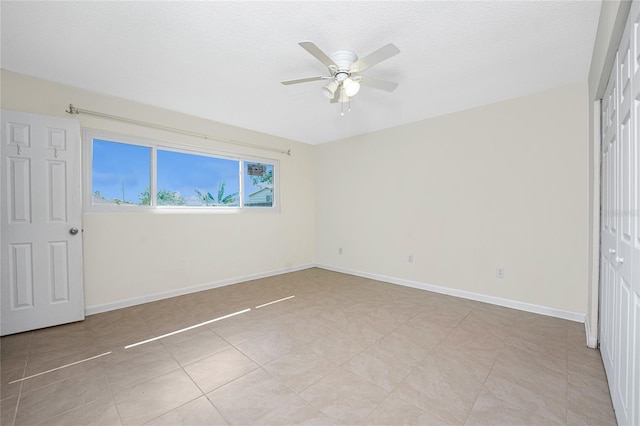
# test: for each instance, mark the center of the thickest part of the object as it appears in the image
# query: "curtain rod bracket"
(72, 110)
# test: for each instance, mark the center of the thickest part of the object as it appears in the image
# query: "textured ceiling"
(224, 60)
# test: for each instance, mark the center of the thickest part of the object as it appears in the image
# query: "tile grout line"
(15, 412)
(22, 381)
(503, 345)
(113, 399)
(405, 376)
(445, 338)
(60, 368)
(182, 367)
(487, 376)
(24, 371)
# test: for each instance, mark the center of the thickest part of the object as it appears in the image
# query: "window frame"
(87, 144)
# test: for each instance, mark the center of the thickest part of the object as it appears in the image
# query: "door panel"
(620, 227)
(41, 261)
(608, 227)
(59, 279)
(19, 198)
(622, 394)
(57, 191)
(21, 275)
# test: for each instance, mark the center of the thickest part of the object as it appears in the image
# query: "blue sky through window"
(185, 173)
(121, 172)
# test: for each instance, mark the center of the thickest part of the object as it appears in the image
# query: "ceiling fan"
(344, 71)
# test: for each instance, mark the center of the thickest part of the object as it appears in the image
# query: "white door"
(620, 228)
(608, 223)
(40, 230)
(629, 258)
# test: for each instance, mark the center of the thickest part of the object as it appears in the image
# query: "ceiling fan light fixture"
(351, 87)
(330, 89)
(344, 72)
(343, 98)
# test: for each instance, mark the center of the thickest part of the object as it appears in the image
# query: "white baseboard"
(96, 309)
(592, 341)
(527, 307)
(522, 306)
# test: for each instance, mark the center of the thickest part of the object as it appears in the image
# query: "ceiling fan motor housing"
(343, 59)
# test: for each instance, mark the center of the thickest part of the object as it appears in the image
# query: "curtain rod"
(75, 110)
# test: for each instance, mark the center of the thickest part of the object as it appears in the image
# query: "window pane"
(258, 184)
(197, 180)
(120, 173)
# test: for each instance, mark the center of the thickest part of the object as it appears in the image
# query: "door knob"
(612, 251)
(619, 259)
(73, 231)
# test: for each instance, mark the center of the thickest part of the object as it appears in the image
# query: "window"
(197, 180)
(120, 173)
(258, 181)
(127, 174)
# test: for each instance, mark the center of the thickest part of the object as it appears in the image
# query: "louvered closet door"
(620, 228)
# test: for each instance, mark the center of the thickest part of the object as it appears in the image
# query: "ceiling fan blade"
(388, 86)
(317, 53)
(385, 52)
(302, 80)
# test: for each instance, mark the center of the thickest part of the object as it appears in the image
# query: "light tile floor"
(344, 350)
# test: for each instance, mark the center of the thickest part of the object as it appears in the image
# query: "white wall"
(134, 256)
(503, 185)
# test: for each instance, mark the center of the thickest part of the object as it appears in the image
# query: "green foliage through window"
(121, 176)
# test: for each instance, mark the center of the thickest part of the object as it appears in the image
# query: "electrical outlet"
(499, 272)
(340, 250)
(410, 258)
